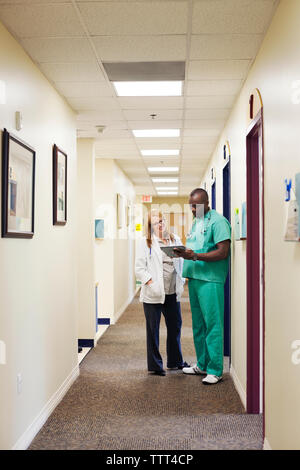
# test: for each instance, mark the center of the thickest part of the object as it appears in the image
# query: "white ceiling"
(217, 39)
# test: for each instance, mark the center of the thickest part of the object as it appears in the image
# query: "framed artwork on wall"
(99, 229)
(18, 183)
(59, 186)
(120, 211)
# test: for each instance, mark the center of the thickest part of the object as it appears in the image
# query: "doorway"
(255, 267)
(227, 287)
(213, 195)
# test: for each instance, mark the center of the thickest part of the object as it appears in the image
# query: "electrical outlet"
(19, 383)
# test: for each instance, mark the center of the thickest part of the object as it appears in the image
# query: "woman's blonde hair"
(151, 214)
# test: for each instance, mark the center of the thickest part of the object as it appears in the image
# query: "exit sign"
(146, 198)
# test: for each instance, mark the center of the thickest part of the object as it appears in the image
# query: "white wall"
(38, 308)
(85, 236)
(114, 255)
(274, 73)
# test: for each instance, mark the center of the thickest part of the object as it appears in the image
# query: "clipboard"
(169, 250)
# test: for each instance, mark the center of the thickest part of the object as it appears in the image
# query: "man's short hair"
(199, 191)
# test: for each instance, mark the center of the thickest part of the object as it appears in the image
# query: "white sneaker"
(193, 370)
(211, 379)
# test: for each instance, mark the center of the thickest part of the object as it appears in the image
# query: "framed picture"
(99, 229)
(120, 211)
(59, 186)
(18, 182)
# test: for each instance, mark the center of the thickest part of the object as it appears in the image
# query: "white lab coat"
(149, 265)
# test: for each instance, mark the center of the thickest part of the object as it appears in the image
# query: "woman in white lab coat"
(161, 289)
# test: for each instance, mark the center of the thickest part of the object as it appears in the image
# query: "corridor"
(118, 119)
(116, 405)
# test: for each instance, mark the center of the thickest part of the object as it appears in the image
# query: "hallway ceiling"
(217, 39)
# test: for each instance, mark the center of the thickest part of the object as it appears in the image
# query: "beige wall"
(114, 255)
(38, 296)
(85, 236)
(274, 72)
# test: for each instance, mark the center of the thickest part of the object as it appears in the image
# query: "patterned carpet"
(116, 405)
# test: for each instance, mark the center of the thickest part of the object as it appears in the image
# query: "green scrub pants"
(207, 305)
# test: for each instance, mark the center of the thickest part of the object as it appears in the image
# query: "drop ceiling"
(216, 39)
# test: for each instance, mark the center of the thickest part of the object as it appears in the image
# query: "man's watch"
(195, 258)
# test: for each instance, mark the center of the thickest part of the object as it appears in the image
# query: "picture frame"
(60, 161)
(18, 187)
(120, 211)
(99, 229)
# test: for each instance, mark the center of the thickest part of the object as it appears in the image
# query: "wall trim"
(238, 386)
(86, 343)
(120, 312)
(27, 437)
(267, 445)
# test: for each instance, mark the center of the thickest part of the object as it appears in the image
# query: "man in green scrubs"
(206, 267)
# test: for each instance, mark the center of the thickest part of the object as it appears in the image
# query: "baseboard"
(267, 445)
(239, 387)
(120, 312)
(27, 437)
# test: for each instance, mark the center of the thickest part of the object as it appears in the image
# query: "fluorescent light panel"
(153, 88)
(162, 169)
(152, 153)
(165, 180)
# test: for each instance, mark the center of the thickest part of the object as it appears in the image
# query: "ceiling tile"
(210, 102)
(194, 148)
(152, 103)
(213, 87)
(218, 69)
(112, 119)
(41, 20)
(145, 115)
(71, 72)
(147, 48)
(207, 113)
(144, 189)
(214, 124)
(199, 133)
(200, 139)
(225, 46)
(234, 16)
(167, 161)
(81, 104)
(84, 90)
(58, 49)
(120, 18)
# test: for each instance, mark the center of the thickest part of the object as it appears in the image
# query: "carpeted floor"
(116, 405)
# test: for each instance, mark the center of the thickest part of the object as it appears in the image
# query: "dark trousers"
(172, 313)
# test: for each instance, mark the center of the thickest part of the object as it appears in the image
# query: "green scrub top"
(205, 233)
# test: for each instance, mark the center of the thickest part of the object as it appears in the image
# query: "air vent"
(145, 71)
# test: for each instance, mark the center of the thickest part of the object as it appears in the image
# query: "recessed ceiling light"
(166, 188)
(153, 88)
(162, 169)
(156, 132)
(165, 180)
(167, 192)
(149, 153)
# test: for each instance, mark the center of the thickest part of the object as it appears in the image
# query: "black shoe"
(159, 372)
(185, 364)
